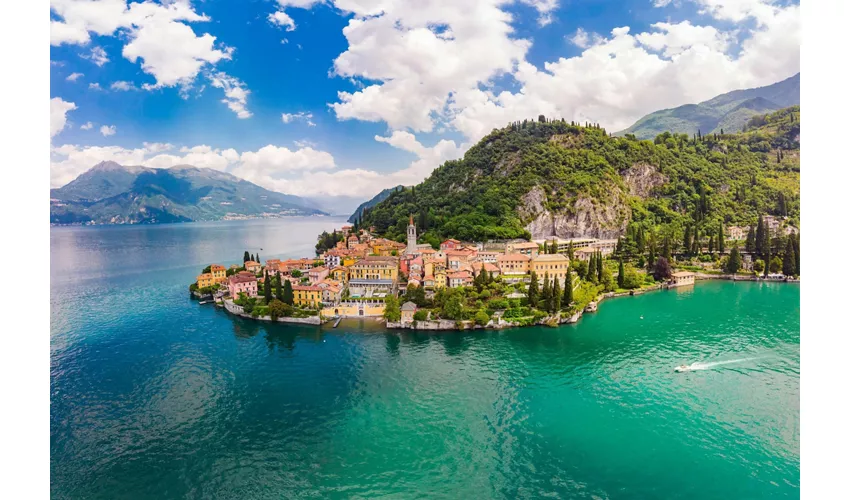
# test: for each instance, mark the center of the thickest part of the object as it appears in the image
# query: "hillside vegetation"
(555, 178)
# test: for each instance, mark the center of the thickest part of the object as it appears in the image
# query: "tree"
(556, 295)
(750, 246)
(599, 265)
(288, 296)
(453, 306)
(758, 266)
(568, 290)
(733, 265)
(711, 244)
(481, 317)
(546, 295)
(621, 274)
(760, 239)
(789, 261)
(257, 258)
(767, 260)
(570, 251)
(687, 240)
(533, 290)
(278, 291)
(545, 247)
(392, 310)
(662, 269)
(796, 240)
(246, 257)
(721, 245)
(267, 288)
(775, 264)
(278, 309)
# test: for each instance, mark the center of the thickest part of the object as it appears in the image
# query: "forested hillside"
(555, 178)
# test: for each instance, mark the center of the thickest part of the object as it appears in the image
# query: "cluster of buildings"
(364, 268)
(776, 225)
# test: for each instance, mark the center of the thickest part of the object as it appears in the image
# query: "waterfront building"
(243, 282)
(408, 309)
(373, 273)
(307, 295)
(205, 280)
(682, 278)
(557, 265)
(252, 266)
(219, 273)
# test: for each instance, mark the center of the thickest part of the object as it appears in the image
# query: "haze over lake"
(156, 396)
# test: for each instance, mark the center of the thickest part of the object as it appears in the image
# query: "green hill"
(554, 178)
(727, 112)
(110, 193)
(383, 195)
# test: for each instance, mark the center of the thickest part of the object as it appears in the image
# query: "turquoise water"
(155, 396)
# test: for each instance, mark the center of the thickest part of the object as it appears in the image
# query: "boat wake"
(699, 365)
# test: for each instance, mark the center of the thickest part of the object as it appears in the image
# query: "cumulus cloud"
(87, 126)
(300, 116)
(582, 39)
(58, 111)
(97, 56)
(73, 77)
(280, 18)
(95, 86)
(107, 130)
(235, 93)
(544, 9)
(122, 85)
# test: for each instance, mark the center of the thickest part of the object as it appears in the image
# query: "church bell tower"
(411, 237)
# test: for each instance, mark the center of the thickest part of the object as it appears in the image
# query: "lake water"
(155, 396)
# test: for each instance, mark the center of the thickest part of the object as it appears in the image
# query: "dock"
(336, 323)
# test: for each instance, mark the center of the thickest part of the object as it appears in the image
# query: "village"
(460, 285)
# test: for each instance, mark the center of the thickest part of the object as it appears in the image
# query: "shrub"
(420, 315)
(481, 318)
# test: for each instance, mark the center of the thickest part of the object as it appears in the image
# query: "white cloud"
(544, 8)
(301, 115)
(157, 35)
(58, 112)
(157, 147)
(97, 56)
(673, 39)
(107, 130)
(235, 93)
(582, 39)
(280, 18)
(73, 77)
(87, 126)
(122, 85)
(420, 53)
(95, 86)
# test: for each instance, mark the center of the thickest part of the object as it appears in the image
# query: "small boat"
(682, 368)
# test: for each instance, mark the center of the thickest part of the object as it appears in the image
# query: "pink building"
(317, 274)
(243, 282)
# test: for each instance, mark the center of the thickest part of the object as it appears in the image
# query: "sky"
(336, 100)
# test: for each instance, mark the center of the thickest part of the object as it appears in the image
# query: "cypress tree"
(721, 243)
(767, 256)
(734, 262)
(570, 252)
(546, 296)
(591, 269)
(788, 260)
(686, 242)
(545, 247)
(621, 274)
(796, 240)
(760, 239)
(278, 290)
(750, 246)
(267, 288)
(599, 265)
(533, 290)
(556, 295)
(711, 244)
(258, 258)
(288, 296)
(246, 257)
(568, 290)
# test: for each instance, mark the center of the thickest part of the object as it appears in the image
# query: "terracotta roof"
(306, 288)
(513, 256)
(204, 276)
(683, 274)
(551, 257)
(242, 278)
(251, 263)
(318, 269)
(217, 267)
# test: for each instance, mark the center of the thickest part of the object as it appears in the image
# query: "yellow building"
(205, 280)
(557, 265)
(374, 268)
(339, 273)
(348, 261)
(307, 296)
(439, 278)
(218, 272)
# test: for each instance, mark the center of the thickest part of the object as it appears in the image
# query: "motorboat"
(682, 368)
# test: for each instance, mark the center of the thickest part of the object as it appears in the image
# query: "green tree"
(599, 265)
(278, 309)
(662, 269)
(568, 290)
(246, 257)
(711, 244)
(758, 266)
(545, 247)
(288, 297)
(481, 317)
(453, 306)
(621, 274)
(257, 257)
(392, 309)
(556, 295)
(762, 240)
(789, 262)
(278, 291)
(533, 290)
(721, 244)
(733, 265)
(546, 295)
(420, 315)
(775, 264)
(750, 246)
(570, 251)
(267, 288)
(767, 260)
(687, 241)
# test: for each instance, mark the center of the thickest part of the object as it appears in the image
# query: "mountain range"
(727, 112)
(110, 193)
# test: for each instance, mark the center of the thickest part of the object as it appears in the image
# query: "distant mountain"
(110, 193)
(383, 195)
(729, 112)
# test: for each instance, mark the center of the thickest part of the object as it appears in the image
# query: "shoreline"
(462, 325)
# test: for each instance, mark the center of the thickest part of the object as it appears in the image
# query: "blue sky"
(379, 92)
